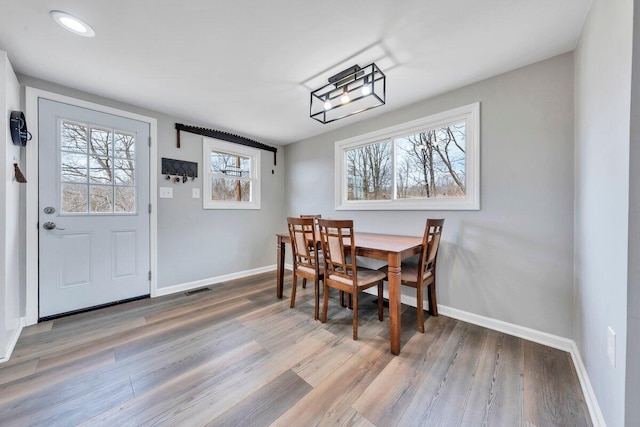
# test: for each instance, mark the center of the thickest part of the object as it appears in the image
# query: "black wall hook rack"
(179, 168)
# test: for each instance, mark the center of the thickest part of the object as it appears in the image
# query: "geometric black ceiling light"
(349, 92)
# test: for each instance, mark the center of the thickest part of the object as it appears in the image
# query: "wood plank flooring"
(237, 356)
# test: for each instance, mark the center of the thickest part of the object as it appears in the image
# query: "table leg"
(280, 268)
(393, 276)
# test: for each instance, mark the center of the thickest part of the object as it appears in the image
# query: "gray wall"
(196, 244)
(513, 259)
(633, 291)
(603, 87)
(10, 278)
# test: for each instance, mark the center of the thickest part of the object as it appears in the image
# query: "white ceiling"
(247, 66)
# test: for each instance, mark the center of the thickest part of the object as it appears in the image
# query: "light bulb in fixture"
(366, 90)
(345, 98)
(71, 23)
(327, 105)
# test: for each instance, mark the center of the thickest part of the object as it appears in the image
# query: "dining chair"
(340, 269)
(306, 262)
(304, 281)
(314, 244)
(423, 274)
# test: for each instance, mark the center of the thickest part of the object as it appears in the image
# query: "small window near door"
(231, 176)
(97, 170)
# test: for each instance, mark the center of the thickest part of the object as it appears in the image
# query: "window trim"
(213, 144)
(471, 201)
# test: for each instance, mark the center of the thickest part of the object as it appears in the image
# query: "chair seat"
(408, 273)
(307, 270)
(366, 276)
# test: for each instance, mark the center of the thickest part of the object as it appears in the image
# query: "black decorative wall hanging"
(229, 137)
(179, 168)
(19, 133)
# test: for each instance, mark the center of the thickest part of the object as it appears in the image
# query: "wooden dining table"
(386, 247)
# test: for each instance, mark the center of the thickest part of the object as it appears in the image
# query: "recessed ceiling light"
(71, 23)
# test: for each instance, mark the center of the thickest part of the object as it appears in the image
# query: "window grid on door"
(97, 169)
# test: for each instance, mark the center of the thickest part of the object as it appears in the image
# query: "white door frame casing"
(31, 166)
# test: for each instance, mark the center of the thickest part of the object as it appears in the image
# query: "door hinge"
(149, 207)
(149, 274)
(149, 141)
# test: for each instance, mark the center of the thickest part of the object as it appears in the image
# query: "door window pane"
(73, 137)
(125, 199)
(124, 145)
(124, 172)
(74, 167)
(74, 198)
(100, 170)
(101, 142)
(101, 199)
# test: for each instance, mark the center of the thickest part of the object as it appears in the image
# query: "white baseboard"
(212, 280)
(564, 344)
(13, 341)
(554, 341)
(589, 396)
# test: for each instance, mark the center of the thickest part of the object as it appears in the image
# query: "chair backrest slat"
(302, 232)
(315, 221)
(430, 245)
(338, 248)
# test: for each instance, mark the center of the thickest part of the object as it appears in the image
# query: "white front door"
(93, 208)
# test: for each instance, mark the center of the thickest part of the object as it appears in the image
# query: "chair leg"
(342, 299)
(325, 302)
(316, 308)
(380, 291)
(419, 307)
(294, 285)
(350, 303)
(304, 283)
(433, 302)
(355, 315)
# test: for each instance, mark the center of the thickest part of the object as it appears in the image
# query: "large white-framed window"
(231, 175)
(432, 163)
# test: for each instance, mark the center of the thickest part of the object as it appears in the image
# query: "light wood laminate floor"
(237, 356)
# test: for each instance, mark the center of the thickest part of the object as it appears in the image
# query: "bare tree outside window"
(231, 175)
(369, 172)
(431, 163)
(97, 169)
(230, 180)
(427, 164)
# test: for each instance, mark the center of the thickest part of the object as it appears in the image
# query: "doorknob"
(51, 226)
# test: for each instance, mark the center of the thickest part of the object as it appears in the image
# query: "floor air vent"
(197, 291)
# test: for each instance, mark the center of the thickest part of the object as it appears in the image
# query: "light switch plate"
(195, 193)
(166, 193)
